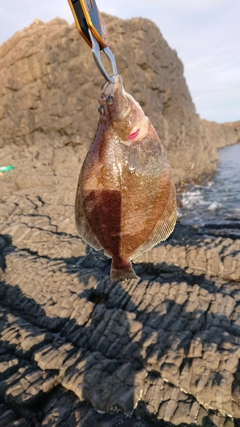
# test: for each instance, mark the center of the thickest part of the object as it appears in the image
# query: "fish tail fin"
(119, 273)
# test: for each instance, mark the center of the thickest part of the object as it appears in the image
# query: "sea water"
(220, 198)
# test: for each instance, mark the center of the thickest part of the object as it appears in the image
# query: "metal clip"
(97, 57)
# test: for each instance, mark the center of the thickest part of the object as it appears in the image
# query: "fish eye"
(109, 100)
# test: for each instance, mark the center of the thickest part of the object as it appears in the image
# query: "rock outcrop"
(220, 135)
(49, 87)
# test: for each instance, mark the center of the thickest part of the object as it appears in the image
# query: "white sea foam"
(191, 198)
(213, 206)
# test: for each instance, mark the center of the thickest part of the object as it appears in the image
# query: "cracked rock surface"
(78, 350)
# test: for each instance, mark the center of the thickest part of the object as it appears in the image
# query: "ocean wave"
(220, 197)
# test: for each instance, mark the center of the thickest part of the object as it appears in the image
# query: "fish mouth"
(114, 93)
(110, 88)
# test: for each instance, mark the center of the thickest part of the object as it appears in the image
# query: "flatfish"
(126, 199)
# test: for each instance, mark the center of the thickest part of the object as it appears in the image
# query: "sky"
(205, 34)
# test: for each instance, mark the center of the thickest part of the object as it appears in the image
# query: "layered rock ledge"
(78, 350)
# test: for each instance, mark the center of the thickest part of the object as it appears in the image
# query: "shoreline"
(164, 349)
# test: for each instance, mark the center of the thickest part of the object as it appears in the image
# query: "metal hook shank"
(97, 57)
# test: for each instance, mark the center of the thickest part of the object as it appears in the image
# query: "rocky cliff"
(49, 88)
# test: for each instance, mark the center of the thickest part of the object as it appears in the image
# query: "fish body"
(125, 201)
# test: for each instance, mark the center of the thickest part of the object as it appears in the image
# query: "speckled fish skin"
(126, 200)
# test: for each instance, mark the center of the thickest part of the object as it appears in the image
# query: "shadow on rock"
(129, 348)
